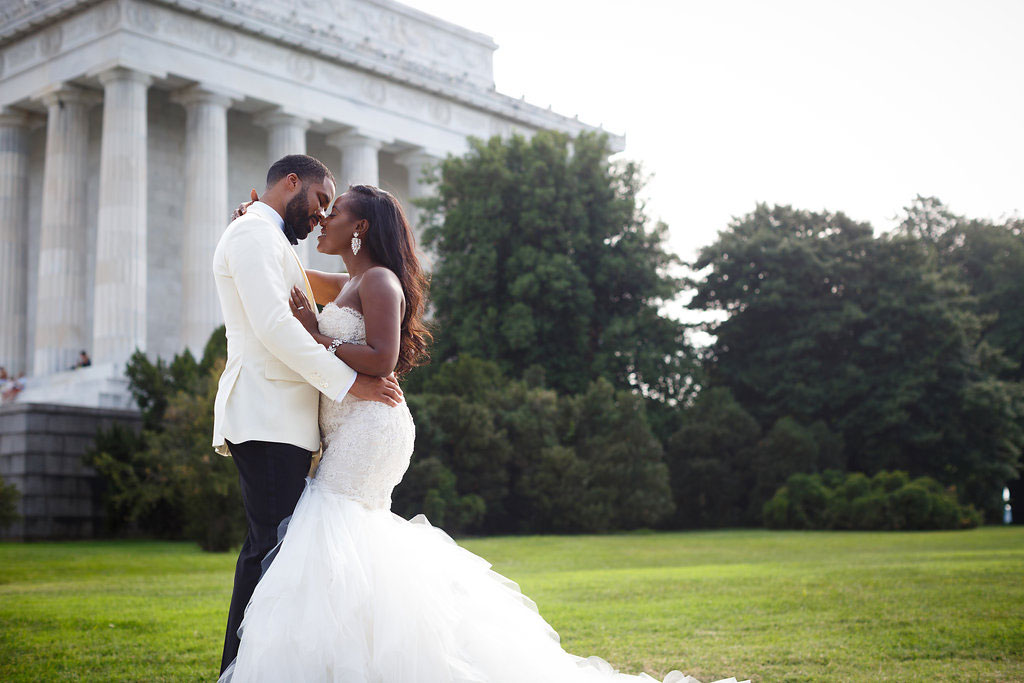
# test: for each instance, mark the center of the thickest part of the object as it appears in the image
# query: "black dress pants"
(272, 477)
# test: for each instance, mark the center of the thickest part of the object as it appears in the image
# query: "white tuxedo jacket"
(270, 388)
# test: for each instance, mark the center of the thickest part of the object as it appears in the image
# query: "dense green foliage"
(497, 455)
(166, 481)
(839, 349)
(758, 604)
(709, 461)
(873, 337)
(989, 258)
(545, 295)
(886, 501)
(562, 399)
(547, 259)
(724, 467)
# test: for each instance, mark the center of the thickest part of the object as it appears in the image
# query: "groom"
(267, 405)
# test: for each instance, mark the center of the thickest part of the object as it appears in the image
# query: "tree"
(786, 449)
(429, 487)
(872, 336)
(629, 481)
(548, 481)
(788, 280)
(505, 456)
(546, 259)
(165, 480)
(182, 462)
(709, 462)
(988, 257)
(463, 437)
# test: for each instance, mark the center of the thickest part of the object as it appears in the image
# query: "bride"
(355, 593)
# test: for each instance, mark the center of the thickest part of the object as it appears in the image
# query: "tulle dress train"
(357, 594)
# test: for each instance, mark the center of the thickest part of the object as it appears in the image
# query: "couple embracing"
(331, 585)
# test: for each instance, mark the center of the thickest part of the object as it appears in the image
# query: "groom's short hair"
(309, 169)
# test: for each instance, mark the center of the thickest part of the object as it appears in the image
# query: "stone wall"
(41, 448)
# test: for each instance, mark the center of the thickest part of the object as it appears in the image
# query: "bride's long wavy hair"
(392, 244)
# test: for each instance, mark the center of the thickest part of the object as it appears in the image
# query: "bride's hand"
(303, 311)
(381, 389)
(245, 205)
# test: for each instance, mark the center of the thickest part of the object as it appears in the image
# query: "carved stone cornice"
(19, 16)
(383, 32)
(376, 52)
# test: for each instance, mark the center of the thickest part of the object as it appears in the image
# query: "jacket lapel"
(309, 288)
(302, 271)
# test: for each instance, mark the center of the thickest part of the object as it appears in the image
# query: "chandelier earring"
(356, 243)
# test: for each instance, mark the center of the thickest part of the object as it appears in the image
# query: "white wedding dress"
(357, 594)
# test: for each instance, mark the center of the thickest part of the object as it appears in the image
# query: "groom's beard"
(296, 217)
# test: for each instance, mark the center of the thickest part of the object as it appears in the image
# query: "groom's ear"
(287, 184)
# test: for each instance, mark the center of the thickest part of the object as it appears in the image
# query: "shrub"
(205, 483)
(491, 455)
(166, 481)
(709, 461)
(9, 497)
(787, 448)
(499, 455)
(800, 504)
(134, 500)
(888, 500)
(554, 493)
(430, 487)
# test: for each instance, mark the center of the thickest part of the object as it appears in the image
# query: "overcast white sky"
(853, 106)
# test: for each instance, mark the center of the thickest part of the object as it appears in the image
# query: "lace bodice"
(367, 445)
(344, 323)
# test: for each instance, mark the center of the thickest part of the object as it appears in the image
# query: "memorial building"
(129, 129)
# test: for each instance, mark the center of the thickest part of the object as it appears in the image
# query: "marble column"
(286, 134)
(416, 162)
(359, 164)
(60, 330)
(119, 309)
(206, 210)
(14, 130)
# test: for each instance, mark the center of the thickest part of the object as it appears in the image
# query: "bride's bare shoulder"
(380, 276)
(379, 286)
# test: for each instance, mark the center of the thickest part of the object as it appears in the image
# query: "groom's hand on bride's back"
(245, 205)
(382, 389)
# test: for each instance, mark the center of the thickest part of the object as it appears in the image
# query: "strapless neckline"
(344, 308)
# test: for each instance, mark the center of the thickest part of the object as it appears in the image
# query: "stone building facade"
(129, 128)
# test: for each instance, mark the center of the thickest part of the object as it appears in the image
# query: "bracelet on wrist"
(335, 343)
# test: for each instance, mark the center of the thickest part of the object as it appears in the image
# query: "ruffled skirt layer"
(363, 596)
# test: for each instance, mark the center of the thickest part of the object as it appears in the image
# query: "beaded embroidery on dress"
(357, 594)
(367, 445)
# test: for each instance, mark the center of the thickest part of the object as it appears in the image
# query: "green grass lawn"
(765, 605)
